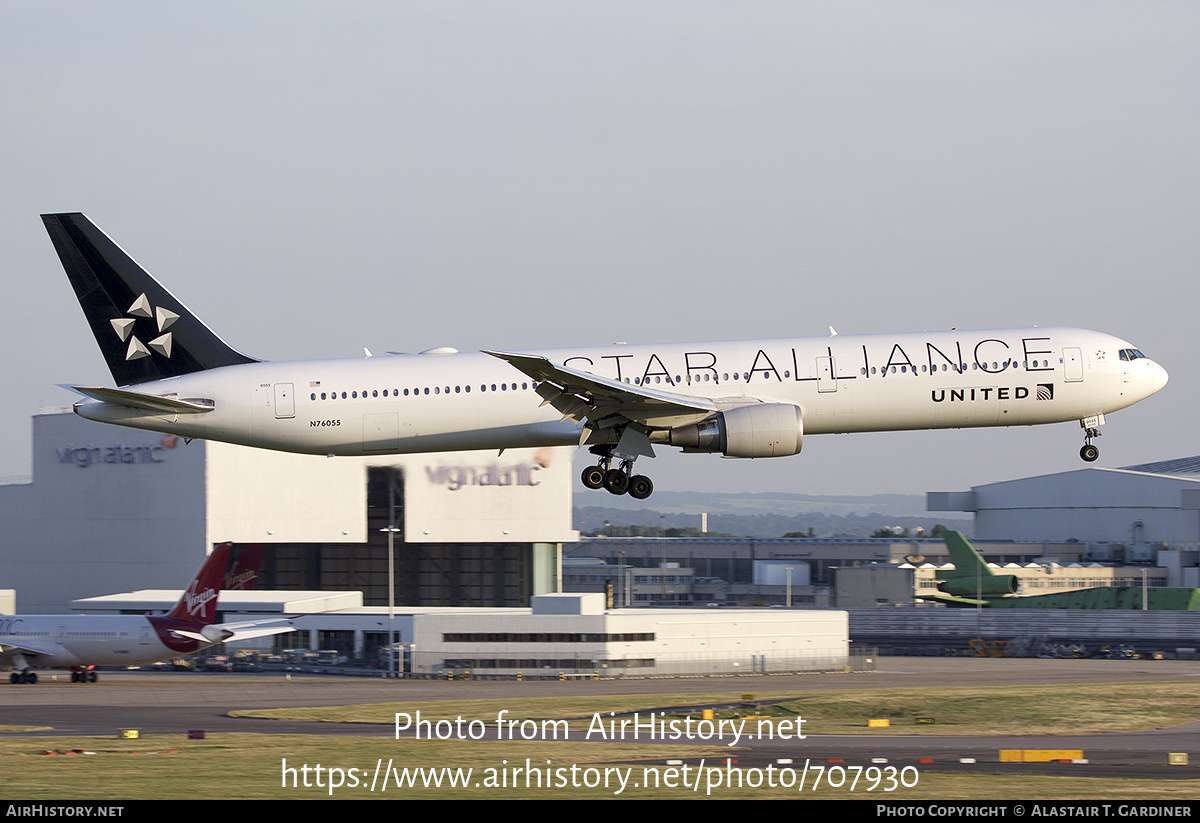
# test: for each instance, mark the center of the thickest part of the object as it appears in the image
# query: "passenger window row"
(426, 390)
(963, 368)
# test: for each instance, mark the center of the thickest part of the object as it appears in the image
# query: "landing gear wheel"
(74, 677)
(92, 677)
(616, 481)
(640, 487)
(593, 477)
(28, 677)
(1089, 453)
(14, 678)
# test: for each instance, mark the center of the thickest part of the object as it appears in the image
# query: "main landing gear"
(616, 481)
(30, 676)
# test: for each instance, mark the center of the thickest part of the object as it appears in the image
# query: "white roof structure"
(1151, 503)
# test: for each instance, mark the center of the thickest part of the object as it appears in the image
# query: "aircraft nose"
(1160, 377)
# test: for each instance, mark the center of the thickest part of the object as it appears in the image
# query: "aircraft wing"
(578, 395)
(32, 647)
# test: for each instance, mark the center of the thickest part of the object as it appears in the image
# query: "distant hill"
(770, 514)
(773, 502)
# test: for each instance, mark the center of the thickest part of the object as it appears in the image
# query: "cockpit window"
(1131, 354)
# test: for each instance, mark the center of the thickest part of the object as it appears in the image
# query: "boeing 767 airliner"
(738, 398)
(81, 642)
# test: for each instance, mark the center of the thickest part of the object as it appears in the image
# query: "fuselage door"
(825, 379)
(1072, 365)
(381, 432)
(285, 403)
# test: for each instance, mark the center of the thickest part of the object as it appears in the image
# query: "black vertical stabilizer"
(143, 331)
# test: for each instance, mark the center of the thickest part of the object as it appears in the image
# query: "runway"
(172, 703)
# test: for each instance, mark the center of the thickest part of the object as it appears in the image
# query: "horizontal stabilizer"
(951, 600)
(143, 402)
(254, 628)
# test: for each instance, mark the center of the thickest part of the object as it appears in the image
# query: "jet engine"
(758, 430)
(997, 585)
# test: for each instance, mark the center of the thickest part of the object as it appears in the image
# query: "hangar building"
(1152, 503)
(111, 509)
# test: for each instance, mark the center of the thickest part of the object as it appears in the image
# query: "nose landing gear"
(1091, 428)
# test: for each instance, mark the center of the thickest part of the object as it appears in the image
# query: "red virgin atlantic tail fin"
(242, 572)
(199, 601)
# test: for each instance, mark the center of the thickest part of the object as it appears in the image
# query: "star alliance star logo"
(124, 329)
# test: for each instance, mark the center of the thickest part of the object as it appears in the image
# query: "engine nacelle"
(758, 430)
(997, 585)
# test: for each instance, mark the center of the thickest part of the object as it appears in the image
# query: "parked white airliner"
(746, 398)
(80, 642)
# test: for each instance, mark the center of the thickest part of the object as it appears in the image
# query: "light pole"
(391, 534)
(623, 596)
(979, 597)
(662, 571)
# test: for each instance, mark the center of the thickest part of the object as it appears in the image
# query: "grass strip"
(250, 767)
(1095, 708)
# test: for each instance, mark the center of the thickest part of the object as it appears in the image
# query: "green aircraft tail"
(971, 574)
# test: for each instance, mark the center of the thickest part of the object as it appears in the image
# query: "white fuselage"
(64, 640)
(842, 383)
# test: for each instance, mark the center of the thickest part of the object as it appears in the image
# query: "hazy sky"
(313, 178)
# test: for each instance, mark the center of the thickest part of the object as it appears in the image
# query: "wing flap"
(577, 394)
